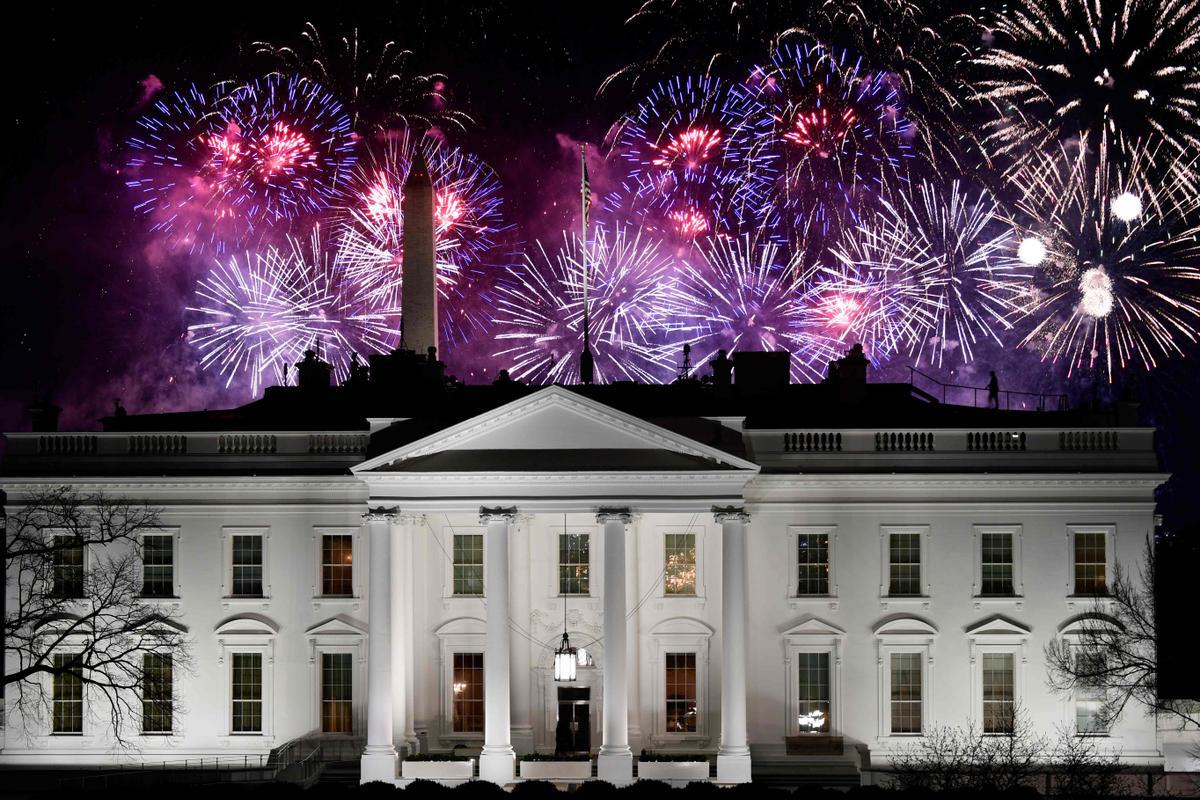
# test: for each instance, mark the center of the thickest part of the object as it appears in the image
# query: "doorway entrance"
(573, 734)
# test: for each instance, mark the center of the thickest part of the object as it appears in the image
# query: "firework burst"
(258, 312)
(738, 294)
(686, 167)
(838, 135)
(1119, 69)
(540, 309)
(1118, 282)
(468, 220)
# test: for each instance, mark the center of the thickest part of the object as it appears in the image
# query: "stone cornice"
(497, 514)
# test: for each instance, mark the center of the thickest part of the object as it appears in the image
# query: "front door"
(574, 731)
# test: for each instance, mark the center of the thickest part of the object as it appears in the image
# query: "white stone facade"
(740, 637)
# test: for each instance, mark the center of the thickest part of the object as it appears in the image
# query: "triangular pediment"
(997, 626)
(341, 625)
(555, 425)
(813, 626)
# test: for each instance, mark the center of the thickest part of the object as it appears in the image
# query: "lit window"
(573, 566)
(247, 566)
(1090, 696)
(813, 555)
(337, 565)
(158, 704)
(468, 693)
(337, 692)
(67, 714)
(681, 692)
(904, 569)
(996, 568)
(906, 692)
(814, 709)
(468, 564)
(999, 697)
(247, 692)
(1091, 563)
(68, 566)
(679, 566)
(158, 566)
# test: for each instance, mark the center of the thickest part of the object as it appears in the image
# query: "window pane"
(246, 691)
(573, 563)
(68, 566)
(468, 563)
(1091, 563)
(337, 692)
(679, 566)
(998, 693)
(996, 569)
(906, 693)
(67, 716)
(681, 692)
(158, 566)
(337, 565)
(1089, 693)
(814, 710)
(905, 568)
(157, 688)
(813, 561)
(468, 693)
(247, 566)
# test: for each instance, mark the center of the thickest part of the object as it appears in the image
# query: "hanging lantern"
(565, 660)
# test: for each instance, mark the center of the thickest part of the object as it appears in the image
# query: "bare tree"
(1114, 651)
(76, 616)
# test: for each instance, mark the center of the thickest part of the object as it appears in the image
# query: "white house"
(777, 576)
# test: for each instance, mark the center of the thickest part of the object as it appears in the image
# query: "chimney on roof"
(849, 375)
(418, 304)
(43, 416)
(312, 374)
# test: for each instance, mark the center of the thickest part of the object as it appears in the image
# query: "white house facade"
(771, 580)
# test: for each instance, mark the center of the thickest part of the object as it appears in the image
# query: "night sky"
(85, 314)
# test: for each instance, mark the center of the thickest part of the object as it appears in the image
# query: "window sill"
(905, 601)
(336, 600)
(981, 600)
(798, 601)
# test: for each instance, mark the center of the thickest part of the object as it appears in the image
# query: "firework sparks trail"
(539, 310)
(258, 313)
(1113, 289)
(687, 174)
(739, 294)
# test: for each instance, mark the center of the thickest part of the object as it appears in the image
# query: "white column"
(401, 533)
(497, 761)
(379, 756)
(409, 593)
(615, 761)
(733, 757)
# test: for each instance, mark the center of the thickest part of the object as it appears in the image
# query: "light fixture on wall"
(565, 657)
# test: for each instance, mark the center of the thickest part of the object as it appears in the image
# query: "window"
(681, 692)
(906, 693)
(247, 692)
(468, 693)
(158, 565)
(904, 565)
(337, 692)
(813, 692)
(813, 564)
(68, 566)
(1090, 696)
(468, 564)
(996, 564)
(573, 563)
(158, 705)
(1091, 563)
(247, 566)
(67, 716)
(337, 565)
(999, 696)
(679, 564)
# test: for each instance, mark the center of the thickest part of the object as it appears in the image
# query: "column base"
(498, 765)
(378, 764)
(615, 766)
(733, 768)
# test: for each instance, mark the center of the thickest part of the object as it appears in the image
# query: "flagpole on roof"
(586, 364)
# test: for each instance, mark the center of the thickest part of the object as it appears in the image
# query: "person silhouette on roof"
(993, 388)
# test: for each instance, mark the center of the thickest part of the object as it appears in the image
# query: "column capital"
(730, 513)
(382, 513)
(497, 514)
(614, 514)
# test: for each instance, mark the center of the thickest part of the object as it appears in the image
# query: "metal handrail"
(1044, 401)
